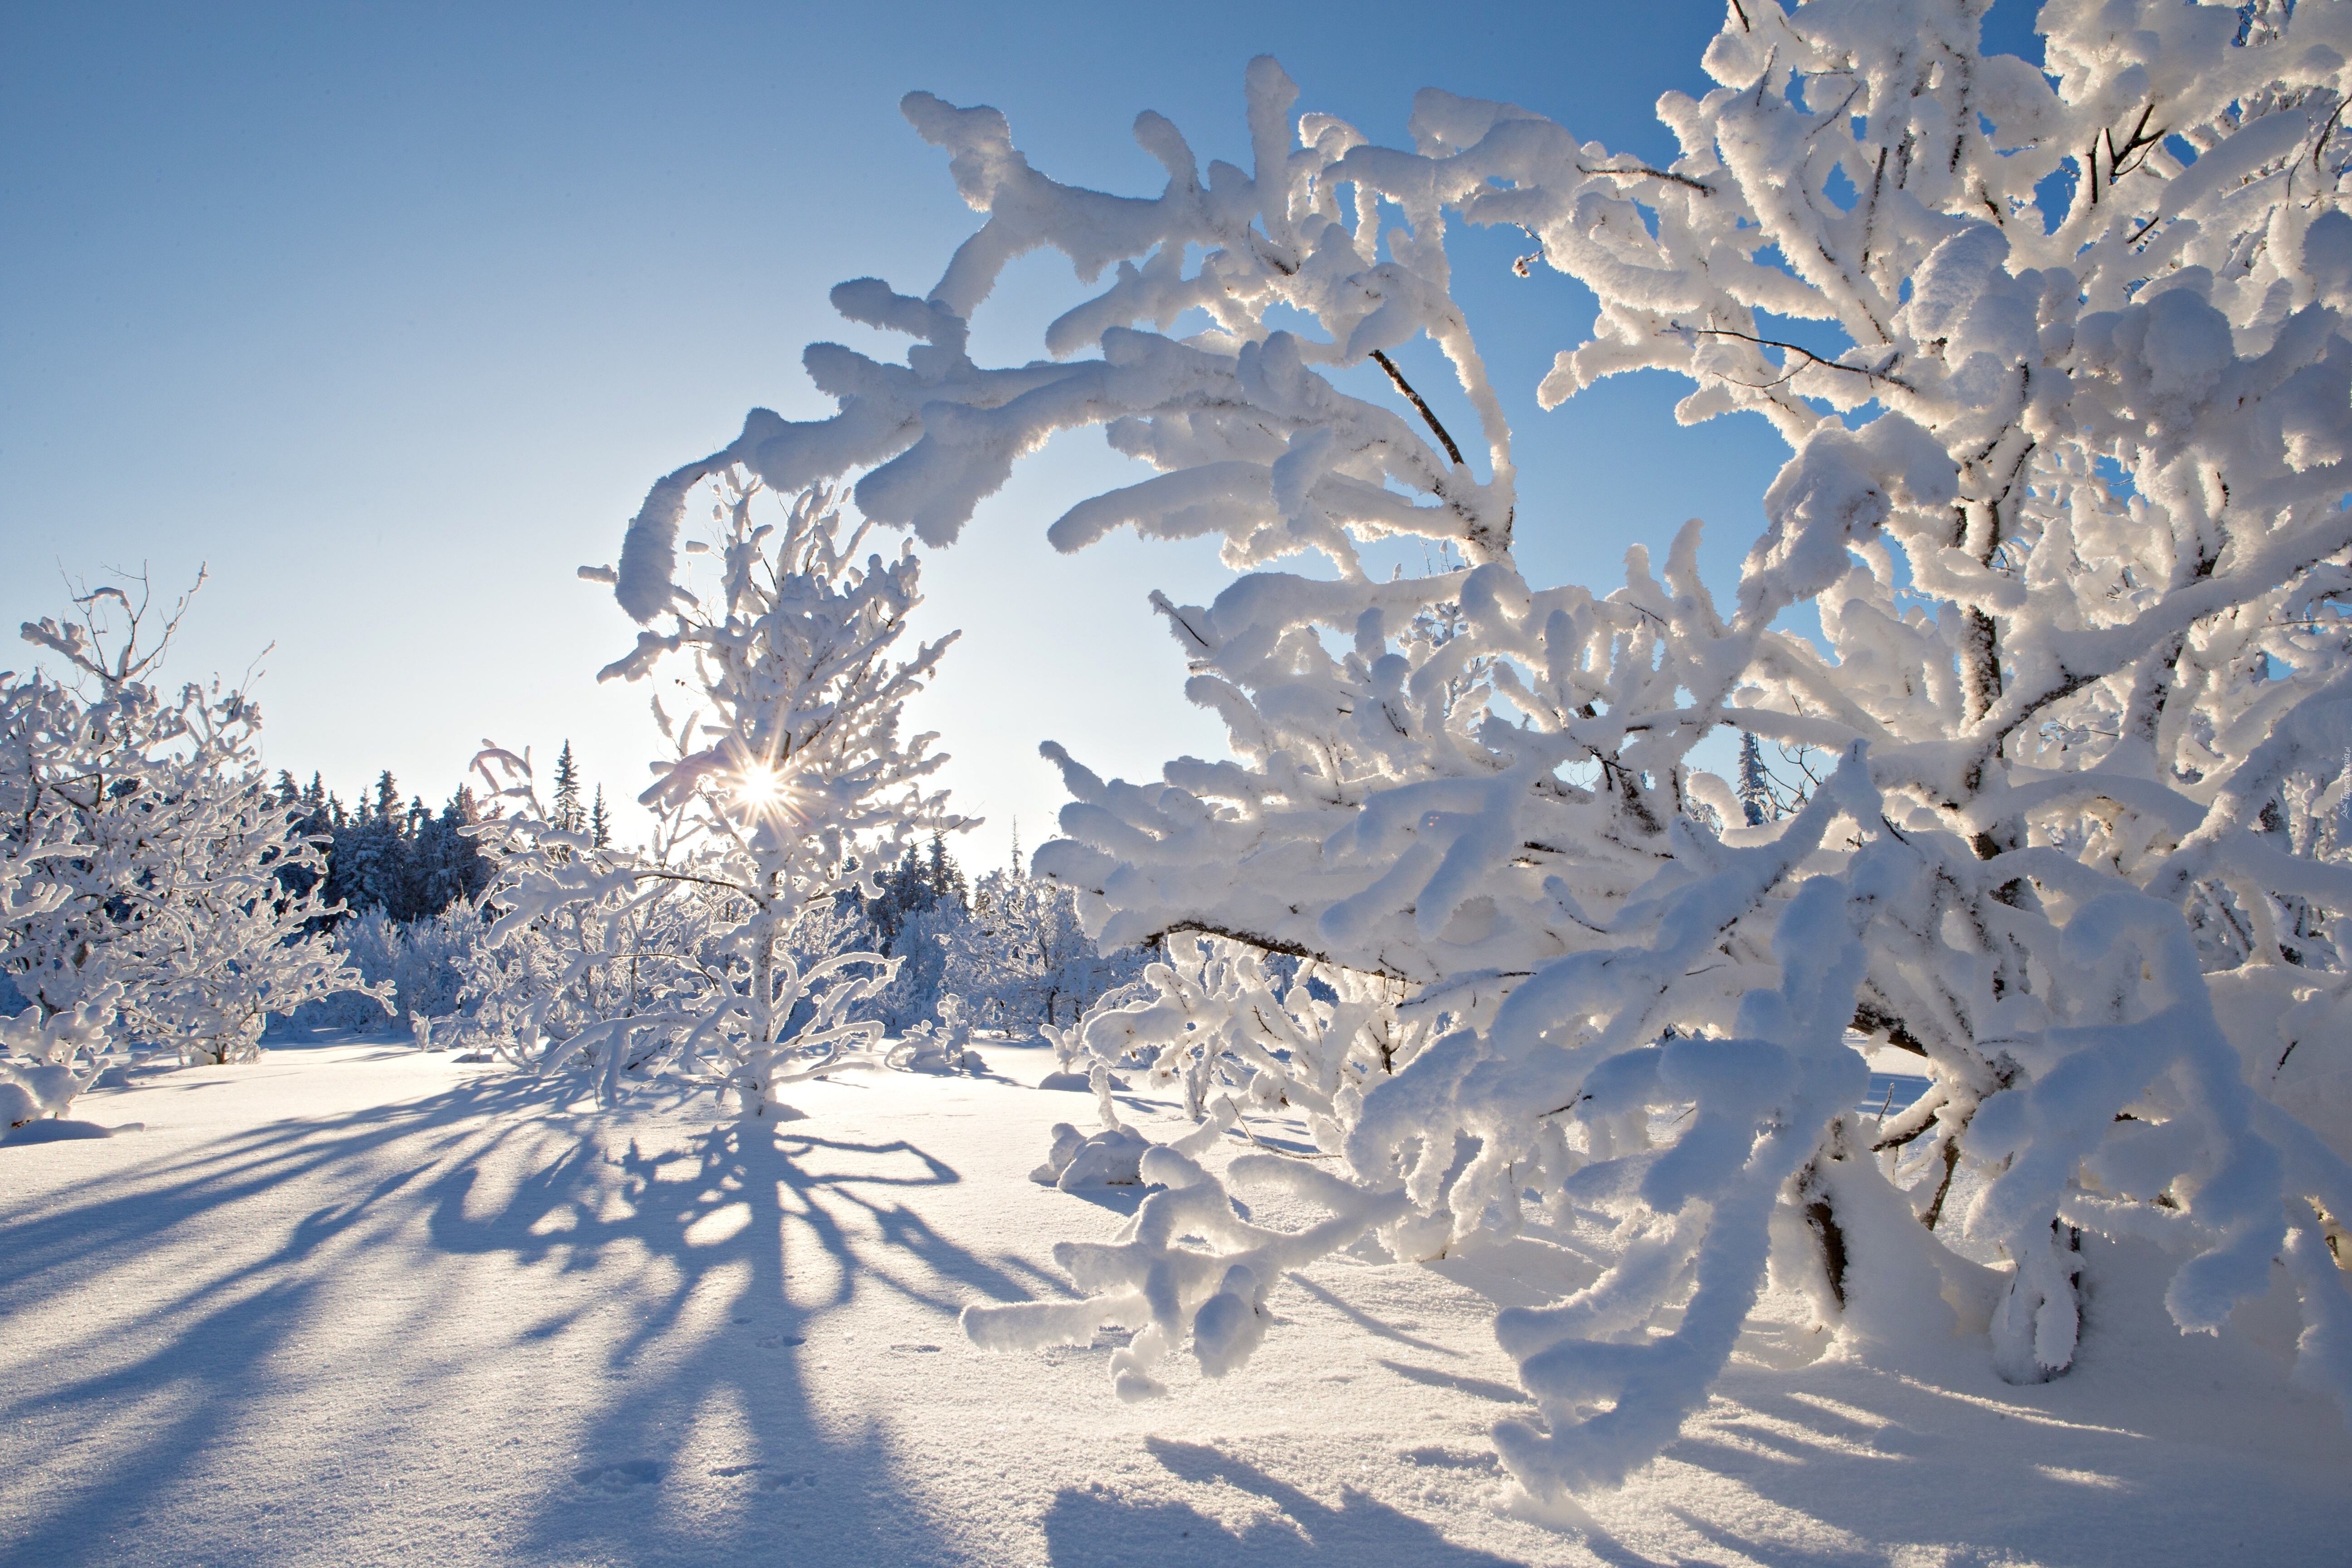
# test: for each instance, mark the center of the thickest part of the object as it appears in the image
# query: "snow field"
(359, 1303)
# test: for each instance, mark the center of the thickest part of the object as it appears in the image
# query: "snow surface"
(361, 1303)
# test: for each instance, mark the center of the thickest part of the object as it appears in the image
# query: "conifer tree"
(568, 814)
(1756, 803)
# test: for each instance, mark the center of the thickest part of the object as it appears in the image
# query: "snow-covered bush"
(941, 1048)
(1018, 959)
(1219, 1020)
(426, 964)
(780, 790)
(2065, 493)
(935, 954)
(1035, 966)
(154, 866)
(50, 1060)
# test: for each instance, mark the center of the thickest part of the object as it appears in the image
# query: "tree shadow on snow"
(693, 1244)
(2121, 1460)
(750, 1208)
(1086, 1528)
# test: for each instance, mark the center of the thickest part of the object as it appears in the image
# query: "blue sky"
(389, 314)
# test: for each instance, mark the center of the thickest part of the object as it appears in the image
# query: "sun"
(761, 787)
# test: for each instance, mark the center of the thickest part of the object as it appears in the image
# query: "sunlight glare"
(761, 787)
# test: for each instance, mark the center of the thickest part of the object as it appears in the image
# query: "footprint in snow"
(619, 1478)
(777, 1341)
(768, 1483)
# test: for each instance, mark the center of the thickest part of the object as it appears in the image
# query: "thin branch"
(1414, 397)
(1644, 170)
(1263, 944)
(2141, 138)
(660, 876)
(1793, 348)
(2328, 130)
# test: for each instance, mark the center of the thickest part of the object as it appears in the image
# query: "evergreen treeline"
(1012, 948)
(410, 861)
(407, 861)
(918, 885)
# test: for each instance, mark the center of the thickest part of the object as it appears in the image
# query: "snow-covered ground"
(359, 1303)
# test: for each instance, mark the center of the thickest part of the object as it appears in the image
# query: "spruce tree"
(1756, 802)
(946, 878)
(568, 814)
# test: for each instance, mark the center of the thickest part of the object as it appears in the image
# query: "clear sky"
(391, 314)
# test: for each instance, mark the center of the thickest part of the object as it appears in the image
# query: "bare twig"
(1644, 171)
(2328, 130)
(1414, 397)
(1793, 348)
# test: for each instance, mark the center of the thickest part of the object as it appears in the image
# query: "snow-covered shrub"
(370, 943)
(2065, 492)
(781, 791)
(540, 992)
(50, 1060)
(941, 1048)
(425, 964)
(1218, 1019)
(931, 952)
(1018, 957)
(153, 863)
(1034, 966)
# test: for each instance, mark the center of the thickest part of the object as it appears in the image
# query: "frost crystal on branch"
(2067, 491)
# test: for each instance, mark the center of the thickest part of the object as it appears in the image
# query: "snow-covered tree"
(162, 868)
(2068, 459)
(1034, 964)
(214, 946)
(569, 813)
(780, 788)
(426, 962)
(1757, 803)
(51, 1055)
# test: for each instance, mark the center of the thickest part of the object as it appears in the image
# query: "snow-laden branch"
(2066, 491)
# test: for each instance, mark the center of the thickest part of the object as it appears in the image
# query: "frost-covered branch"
(2065, 492)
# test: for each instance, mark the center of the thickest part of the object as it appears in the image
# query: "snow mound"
(1112, 1158)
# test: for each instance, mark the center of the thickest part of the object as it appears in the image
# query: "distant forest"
(410, 861)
